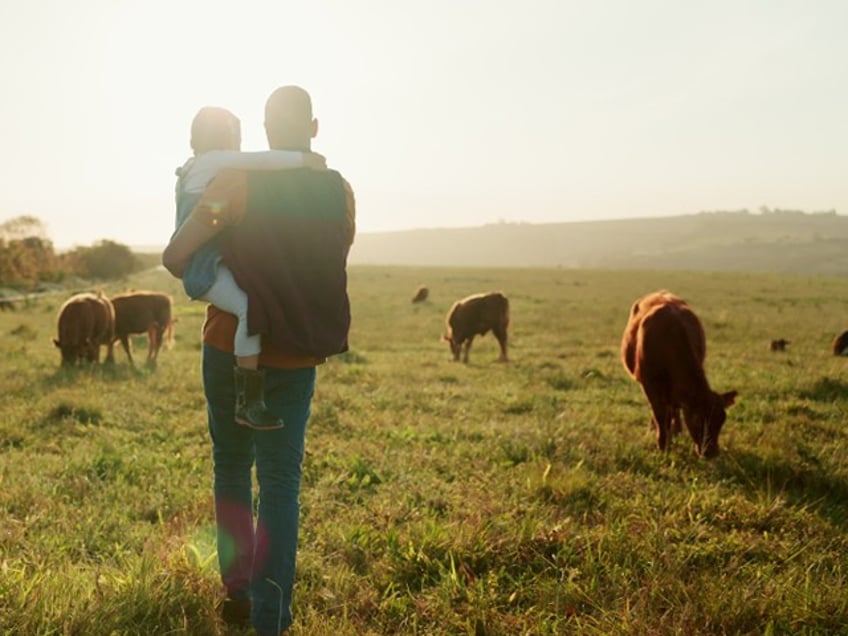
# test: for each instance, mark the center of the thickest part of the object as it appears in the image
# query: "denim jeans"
(258, 559)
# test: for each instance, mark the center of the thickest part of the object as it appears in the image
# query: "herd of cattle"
(662, 348)
(88, 321)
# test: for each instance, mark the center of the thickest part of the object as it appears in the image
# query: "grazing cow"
(779, 344)
(476, 315)
(143, 312)
(85, 322)
(840, 345)
(421, 294)
(663, 348)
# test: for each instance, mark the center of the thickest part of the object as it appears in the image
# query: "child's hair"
(215, 128)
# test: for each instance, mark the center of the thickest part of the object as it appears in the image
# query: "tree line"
(765, 210)
(28, 258)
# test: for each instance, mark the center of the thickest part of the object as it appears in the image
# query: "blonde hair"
(215, 128)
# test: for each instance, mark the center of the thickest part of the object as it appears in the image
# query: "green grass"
(440, 498)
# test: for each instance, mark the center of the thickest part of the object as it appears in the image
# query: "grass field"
(439, 498)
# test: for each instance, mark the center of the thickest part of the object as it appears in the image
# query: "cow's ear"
(729, 398)
(56, 342)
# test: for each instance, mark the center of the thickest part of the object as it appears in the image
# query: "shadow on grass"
(826, 390)
(69, 376)
(801, 485)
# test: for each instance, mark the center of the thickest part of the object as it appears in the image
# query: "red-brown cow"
(778, 345)
(663, 348)
(85, 322)
(476, 315)
(143, 312)
(840, 344)
(420, 294)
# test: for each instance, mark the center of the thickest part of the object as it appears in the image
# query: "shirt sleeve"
(224, 201)
(205, 167)
(350, 204)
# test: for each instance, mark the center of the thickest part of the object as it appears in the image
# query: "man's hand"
(314, 160)
(191, 235)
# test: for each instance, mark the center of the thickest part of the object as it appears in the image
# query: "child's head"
(215, 128)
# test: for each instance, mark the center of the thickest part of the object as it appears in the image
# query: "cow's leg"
(160, 337)
(153, 342)
(500, 334)
(675, 421)
(695, 423)
(160, 333)
(110, 352)
(125, 343)
(466, 348)
(662, 412)
(160, 340)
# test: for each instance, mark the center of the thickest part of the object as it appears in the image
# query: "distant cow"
(476, 315)
(85, 322)
(840, 345)
(421, 294)
(143, 312)
(663, 348)
(778, 345)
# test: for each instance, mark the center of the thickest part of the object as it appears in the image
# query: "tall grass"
(441, 498)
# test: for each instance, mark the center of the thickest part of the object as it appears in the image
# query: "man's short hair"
(215, 128)
(289, 106)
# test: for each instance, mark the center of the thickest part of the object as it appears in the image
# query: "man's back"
(287, 248)
(289, 254)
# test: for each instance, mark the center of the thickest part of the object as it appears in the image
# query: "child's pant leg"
(225, 294)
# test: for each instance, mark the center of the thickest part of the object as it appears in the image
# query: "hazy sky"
(440, 113)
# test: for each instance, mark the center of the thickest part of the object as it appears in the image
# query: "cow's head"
(705, 423)
(71, 352)
(455, 345)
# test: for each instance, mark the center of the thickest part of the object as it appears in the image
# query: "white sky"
(440, 113)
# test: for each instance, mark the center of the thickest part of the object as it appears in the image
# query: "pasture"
(439, 498)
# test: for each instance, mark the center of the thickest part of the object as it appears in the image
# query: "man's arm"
(191, 235)
(350, 204)
(222, 204)
(204, 167)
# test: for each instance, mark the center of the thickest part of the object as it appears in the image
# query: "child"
(216, 140)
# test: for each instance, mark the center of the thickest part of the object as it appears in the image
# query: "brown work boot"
(250, 403)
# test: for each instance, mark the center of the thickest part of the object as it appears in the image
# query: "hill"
(783, 242)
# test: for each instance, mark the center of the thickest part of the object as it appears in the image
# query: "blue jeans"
(258, 560)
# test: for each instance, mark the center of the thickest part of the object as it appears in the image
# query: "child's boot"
(250, 403)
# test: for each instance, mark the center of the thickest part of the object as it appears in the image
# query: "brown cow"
(628, 343)
(778, 345)
(663, 348)
(85, 322)
(840, 344)
(143, 312)
(421, 294)
(476, 315)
